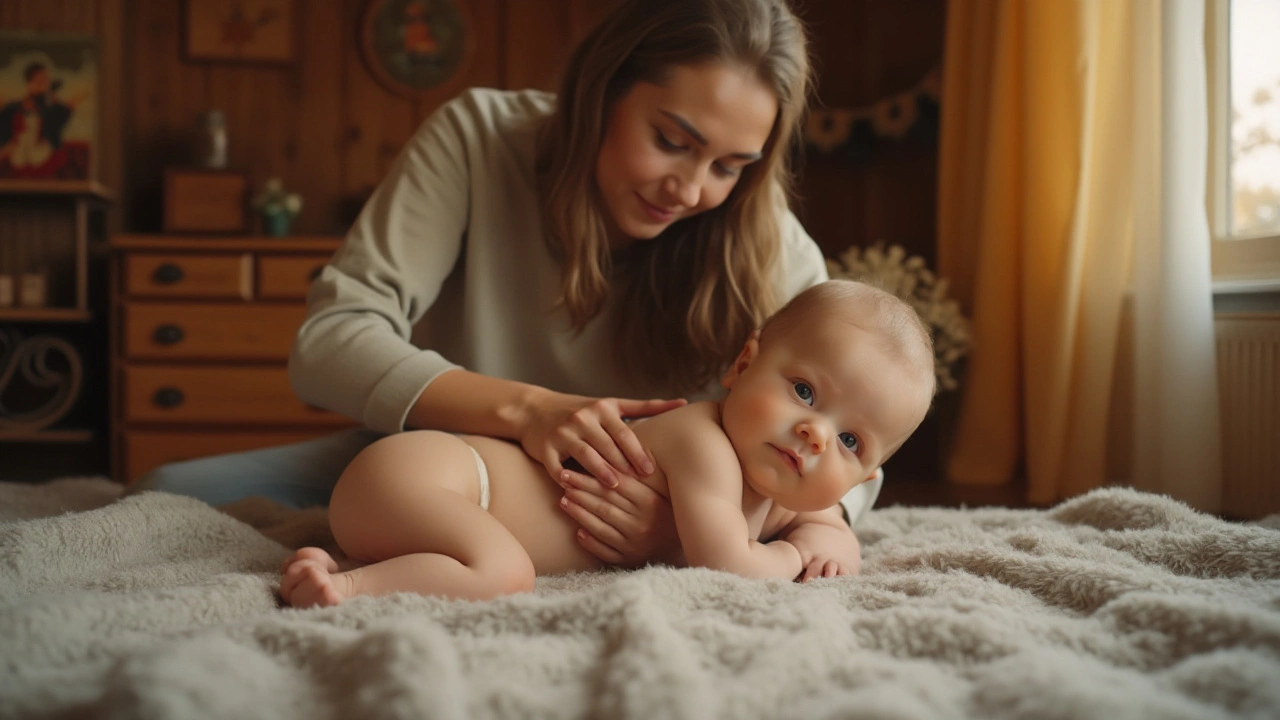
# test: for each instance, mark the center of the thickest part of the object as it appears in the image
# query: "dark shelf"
(69, 435)
(45, 315)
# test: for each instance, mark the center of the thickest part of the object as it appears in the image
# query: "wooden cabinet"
(201, 331)
(53, 416)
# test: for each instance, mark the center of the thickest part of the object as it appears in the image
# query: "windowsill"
(1242, 286)
(1246, 295)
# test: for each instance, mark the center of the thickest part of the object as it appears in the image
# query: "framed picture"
(48, 106)
(417, 47)
(247, 31)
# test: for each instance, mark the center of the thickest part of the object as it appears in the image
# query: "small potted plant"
(277, 207)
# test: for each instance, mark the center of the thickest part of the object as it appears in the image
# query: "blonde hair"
(902, 328)
(688, 298)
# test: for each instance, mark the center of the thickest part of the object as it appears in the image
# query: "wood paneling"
(330, 131)
(323, 124)
(101, 19)
(866, 50)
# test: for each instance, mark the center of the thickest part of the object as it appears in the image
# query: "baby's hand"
(823, 567)
(825, 551)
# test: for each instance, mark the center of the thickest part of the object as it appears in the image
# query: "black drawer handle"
(168, 397)
(168, 335)
(168, 274)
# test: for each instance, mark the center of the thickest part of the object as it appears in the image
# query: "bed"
(1113, 604)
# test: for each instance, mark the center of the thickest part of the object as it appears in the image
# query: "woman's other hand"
(590, 430)
(626, 526)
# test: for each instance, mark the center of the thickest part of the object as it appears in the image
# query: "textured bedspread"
(1115, 604)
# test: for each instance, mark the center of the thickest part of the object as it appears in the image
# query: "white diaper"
(484, 478)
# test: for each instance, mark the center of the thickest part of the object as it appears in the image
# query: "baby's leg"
(409, 504)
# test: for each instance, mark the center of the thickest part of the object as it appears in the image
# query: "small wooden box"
(205, 201)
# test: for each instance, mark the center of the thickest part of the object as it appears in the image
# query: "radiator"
(1248, 348)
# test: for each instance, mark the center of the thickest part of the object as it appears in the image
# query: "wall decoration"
(911, 280)
(417, 46)
(249, 31)
(48, 106)
(855, 132)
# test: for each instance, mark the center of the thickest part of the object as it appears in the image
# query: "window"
(1244, 125)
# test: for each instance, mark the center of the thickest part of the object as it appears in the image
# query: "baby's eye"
(850, 441)
(804, 392)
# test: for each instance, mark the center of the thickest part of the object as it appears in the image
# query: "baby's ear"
(749, 350)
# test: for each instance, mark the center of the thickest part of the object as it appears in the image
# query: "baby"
(820, 396)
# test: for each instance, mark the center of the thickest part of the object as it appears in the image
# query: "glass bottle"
(211, 140)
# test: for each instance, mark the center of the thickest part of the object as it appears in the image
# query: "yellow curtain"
(1036, 190)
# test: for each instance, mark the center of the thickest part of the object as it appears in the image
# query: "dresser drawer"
(288, 277)
(210, 331)
(217, 395)
(143, 451)
(211, 276)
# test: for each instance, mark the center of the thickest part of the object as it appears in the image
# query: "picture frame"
(417, 48)
(48, 107)
(240, 31)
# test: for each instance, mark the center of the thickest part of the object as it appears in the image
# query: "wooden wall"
(324, 125)
(866, 50)
(330, 130)
(104, 20)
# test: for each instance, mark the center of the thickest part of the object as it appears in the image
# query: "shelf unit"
(52, 355)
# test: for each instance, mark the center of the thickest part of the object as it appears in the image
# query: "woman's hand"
(590, 430)
(625, 526)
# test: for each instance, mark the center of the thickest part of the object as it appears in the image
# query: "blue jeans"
(303, 474)
(299, 475)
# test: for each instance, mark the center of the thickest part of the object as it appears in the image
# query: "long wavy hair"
(687, 299)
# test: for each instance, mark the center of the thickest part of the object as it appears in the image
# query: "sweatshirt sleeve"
(352, 354)
(803, 264)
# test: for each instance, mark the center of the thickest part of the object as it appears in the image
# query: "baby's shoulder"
(695, 417)
(693, 430)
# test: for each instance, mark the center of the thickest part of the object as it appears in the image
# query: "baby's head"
(826, 391)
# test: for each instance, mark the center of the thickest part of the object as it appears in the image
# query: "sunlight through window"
(1255, 118)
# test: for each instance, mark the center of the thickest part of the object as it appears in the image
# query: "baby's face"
(816, 408)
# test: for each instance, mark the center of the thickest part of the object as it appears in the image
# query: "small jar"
(211, 140)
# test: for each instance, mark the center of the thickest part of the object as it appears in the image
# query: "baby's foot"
(311, 579)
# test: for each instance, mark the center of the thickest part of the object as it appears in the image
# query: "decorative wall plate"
(416, 47)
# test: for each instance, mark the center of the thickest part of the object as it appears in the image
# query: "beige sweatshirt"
(447, 267)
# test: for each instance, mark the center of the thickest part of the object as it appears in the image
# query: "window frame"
(1240, 263)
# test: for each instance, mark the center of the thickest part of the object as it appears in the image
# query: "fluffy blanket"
(1114, 604)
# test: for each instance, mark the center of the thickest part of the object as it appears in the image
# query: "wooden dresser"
(200, 338)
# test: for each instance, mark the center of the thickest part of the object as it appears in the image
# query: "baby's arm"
(827, 544)
(705, 485)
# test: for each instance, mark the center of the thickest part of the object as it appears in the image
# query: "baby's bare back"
(525, 499)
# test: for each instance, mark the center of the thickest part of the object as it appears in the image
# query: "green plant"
(273, 200)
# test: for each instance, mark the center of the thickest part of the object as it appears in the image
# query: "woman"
(532, 260)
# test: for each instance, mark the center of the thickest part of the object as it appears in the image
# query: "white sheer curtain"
(1177, 445)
